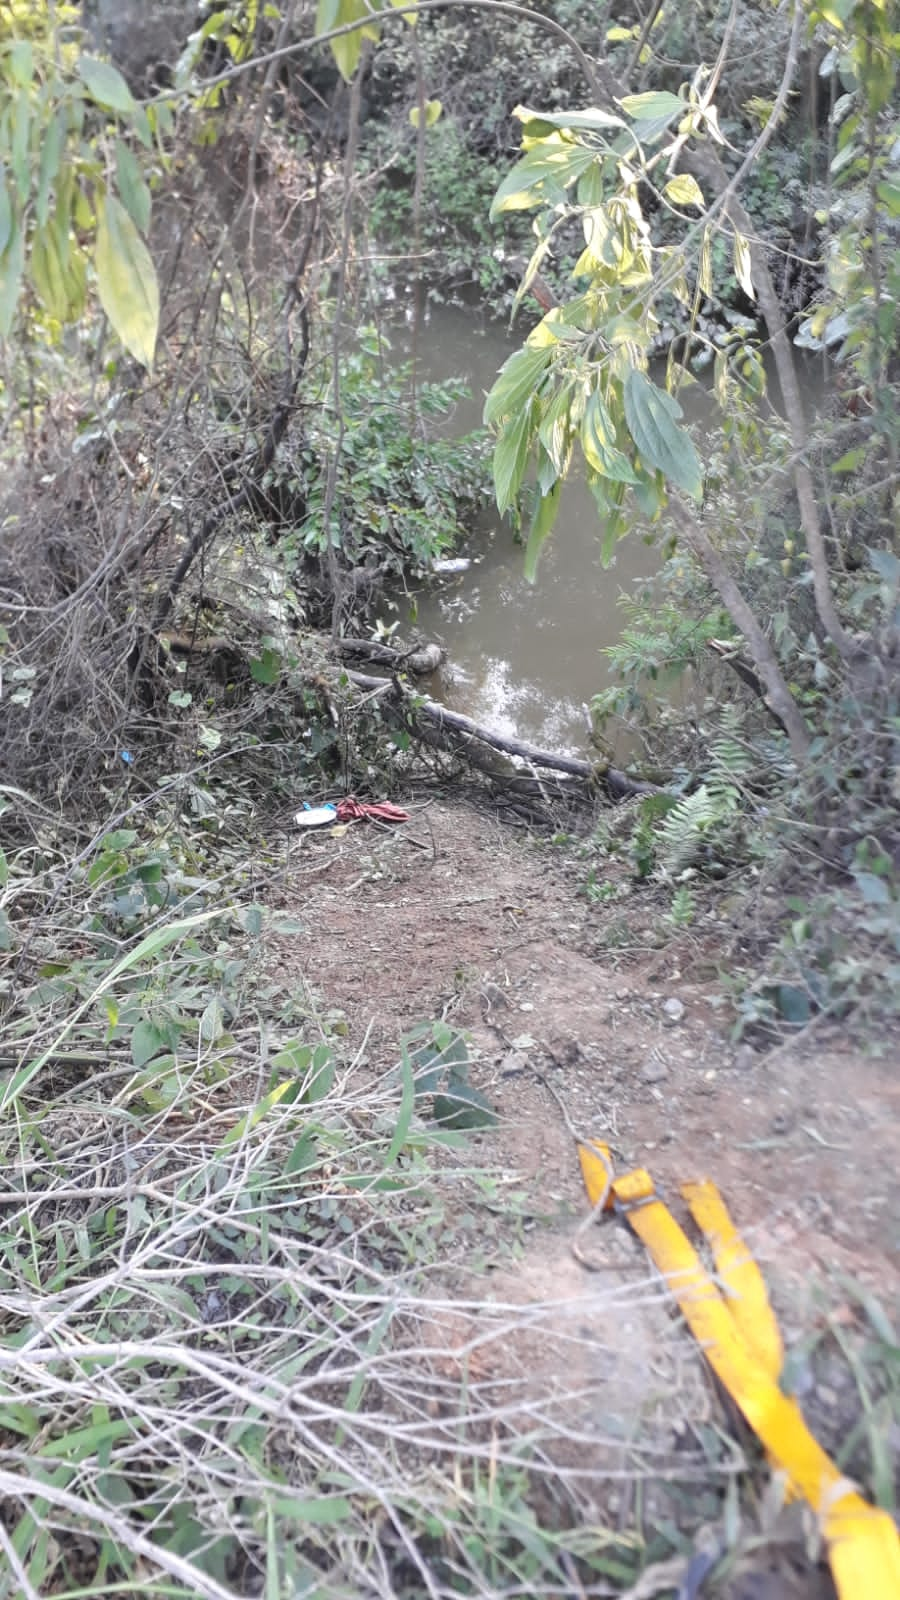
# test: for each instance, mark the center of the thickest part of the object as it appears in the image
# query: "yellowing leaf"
(683, 190)
(705, 271)
(347, 48)
(105, 84)
(126, 279)
(598, 441)
(47, 272)
(433, 109)
(742, 265)
(652, 105)
(547, 165)
(12, 266)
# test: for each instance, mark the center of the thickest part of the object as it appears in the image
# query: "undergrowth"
(226, 1367)
(806, 863)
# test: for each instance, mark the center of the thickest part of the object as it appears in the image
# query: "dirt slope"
(457, 917)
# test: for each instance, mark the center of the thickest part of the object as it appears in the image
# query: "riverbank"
(397, 1341)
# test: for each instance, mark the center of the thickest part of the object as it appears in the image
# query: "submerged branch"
(457, 730)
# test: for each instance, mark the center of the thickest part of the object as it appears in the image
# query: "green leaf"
(126, 279)
(405, 1112)
(889, 195)
(541, 527)
(510, 458)
(652, 418)
(559, 164)
(591, 120)
(20, 151)
(146, 1042)
(6, 212)
(212, 1021)
(294, 1057)
(21, 62)
(348, 48)
(463, 1107)
(654, 105)
(683, 190)
(4, 869)
(12, 268)
(850, 460)
(873, 889)
(51, 152)
(793, 1004)
(146, 950)
(885, 563)
(303, 1155)
(516, 382)
(743, 265)
(322, 1512)
(119, 839)
(132, 188)
(554, 429)
(266, 667)
(598, 441)
(433, 109)
(105, 85)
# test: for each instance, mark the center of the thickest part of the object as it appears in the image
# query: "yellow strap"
(740, 1277)
(863, 1545)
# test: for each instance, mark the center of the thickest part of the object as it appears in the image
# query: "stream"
(523, 658)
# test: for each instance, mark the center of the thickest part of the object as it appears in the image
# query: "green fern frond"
(686, 828)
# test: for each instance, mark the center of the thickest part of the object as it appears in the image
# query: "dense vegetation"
(213, 466)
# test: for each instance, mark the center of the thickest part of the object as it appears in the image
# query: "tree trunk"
(781, 700)
(706, 163)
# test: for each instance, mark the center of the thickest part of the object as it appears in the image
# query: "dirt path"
(456, 917)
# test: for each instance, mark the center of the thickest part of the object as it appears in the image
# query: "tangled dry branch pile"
(135, 493)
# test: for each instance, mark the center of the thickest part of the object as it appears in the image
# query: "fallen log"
(455, 727)
(420, 660)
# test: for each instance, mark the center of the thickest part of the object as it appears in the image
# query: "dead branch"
(726, 651)
(456, 732)
(420, 660)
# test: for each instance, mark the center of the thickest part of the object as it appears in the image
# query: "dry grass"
(242, 1347)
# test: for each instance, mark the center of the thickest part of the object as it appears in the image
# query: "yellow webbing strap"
(741, 1280)
(863, 1545)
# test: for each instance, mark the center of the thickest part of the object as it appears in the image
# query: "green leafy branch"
(75, 203)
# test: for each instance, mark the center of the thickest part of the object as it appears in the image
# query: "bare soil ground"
(456, 916)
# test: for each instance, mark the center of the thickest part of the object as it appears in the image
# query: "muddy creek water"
(523, 658)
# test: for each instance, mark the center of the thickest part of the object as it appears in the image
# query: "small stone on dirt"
(653, 1071)
(673, 1010)
(565, 1052)
(493, 995)
(514, 1065)
(745, 1058)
